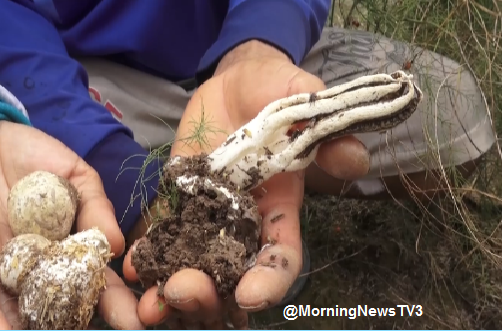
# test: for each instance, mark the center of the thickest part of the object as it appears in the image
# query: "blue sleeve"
(293, 26)
(53, 88)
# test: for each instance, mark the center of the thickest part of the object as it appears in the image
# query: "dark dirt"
(203, 231)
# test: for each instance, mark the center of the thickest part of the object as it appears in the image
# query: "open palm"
(227, 101)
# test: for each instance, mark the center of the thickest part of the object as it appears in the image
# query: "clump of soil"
(212, 226)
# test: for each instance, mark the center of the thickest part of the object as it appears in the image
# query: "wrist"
(250, 50)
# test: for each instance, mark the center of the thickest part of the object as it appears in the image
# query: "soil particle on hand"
(284, 263)
(277, 218)
(212, 226)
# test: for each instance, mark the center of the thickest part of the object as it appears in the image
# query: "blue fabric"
(292, 26)
(169, 38)
(11, 114)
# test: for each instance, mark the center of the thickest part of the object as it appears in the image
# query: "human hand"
(24, 150)
(246, 80)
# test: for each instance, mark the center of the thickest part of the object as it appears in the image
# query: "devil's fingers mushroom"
(42, 203)
(266, 146)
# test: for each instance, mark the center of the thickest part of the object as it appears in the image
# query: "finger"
(118, 305)
(127, 267)
(95, 210)
(345, 158)
(277, 266)
(304, 82)
(269, 280)
(4, 324)
(152, 309)
(192, 291)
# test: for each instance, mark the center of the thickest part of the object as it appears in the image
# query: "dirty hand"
(246, 80)
(23, 150)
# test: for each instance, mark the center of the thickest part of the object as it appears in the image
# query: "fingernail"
(263, 305)
(356, 160)
(179, 302)
(362, 154)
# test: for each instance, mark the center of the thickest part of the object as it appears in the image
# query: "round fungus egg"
(42, 203)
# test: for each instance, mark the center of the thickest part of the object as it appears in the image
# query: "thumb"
(344, 158)
(95, 210)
